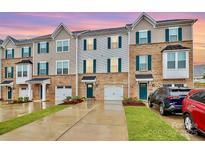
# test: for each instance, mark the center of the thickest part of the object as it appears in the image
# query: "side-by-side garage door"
(61, 92)
(113, 92)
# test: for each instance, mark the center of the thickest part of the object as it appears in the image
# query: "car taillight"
(172, 97)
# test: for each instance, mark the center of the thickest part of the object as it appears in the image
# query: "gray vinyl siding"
(103, 53)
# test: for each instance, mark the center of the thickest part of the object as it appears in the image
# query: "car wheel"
(188, 124)
(150, 104)
(161, 109)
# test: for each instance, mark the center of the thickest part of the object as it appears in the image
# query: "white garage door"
(61, 92)
(113, 92)
(23, 92)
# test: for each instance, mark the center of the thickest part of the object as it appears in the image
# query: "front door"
(89, 90)
(9, 93)
(143, 91)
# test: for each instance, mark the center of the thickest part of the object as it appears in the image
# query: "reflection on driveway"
(9, 111)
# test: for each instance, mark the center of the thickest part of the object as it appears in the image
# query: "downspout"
(128, 81)
(76, 66)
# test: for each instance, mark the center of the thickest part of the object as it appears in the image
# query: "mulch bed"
(132, 103)
(67, 102)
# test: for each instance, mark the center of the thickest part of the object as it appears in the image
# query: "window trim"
(62, 45)
(22, 71)
(111, 38)
(6, 53)
(62, 67)
(92, 43)
(41, 62)
(7, 74)
(170, 28)
(24, 50)
(111, 64)
(146, 30)
(147, 69)
(87, 66)
(175, 62)
(40, 47)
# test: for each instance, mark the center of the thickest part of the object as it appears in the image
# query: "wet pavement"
(85, 121)
(9, 111)
(176, 121)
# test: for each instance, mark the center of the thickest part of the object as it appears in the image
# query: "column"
(43, 92)
(30, 95)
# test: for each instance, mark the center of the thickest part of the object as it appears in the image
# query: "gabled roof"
(15, 41)
(174, 47)
(24, 61)
(58, 29)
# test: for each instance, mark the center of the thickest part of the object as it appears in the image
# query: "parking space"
(176, 121)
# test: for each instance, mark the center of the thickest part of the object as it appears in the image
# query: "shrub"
(133, 101)
(26, 99)
(73, 100)
(20, 100)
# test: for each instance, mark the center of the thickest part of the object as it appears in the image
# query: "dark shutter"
(94, 44)
(149, 62)
(109, 42)
(108, 65)
(167, 35)
(47, 68)
(137, 37)
(38, 47)
(47, 47)
(120, 42)
(22, 52)
(94, 66)
(38, 65)
(29, 51)
(119, 65)
(5, 72)
(149, 36)
(85, 45)
(180, 34)
(12, 53)
(6, 54)
(137, 63)
(12, 72)
(84, 66)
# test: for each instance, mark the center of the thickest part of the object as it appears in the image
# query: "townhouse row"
(108, 64)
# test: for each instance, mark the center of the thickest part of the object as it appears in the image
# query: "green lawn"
(12, 124)
(145, 125)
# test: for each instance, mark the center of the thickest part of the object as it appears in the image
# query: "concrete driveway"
(176, 121)
(82, 122)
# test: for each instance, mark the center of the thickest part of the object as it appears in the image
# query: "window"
(173, 34)
(43, 68)
(90, 44)
(25, 52)
(114, 65)
(43, 47)
(143, 63)
(89, 66)
(114, 41)
(62, 45)
(9, 53)
(182, 60)
(171, 60)
(9, 72)
(143, 37)
(22, 71)
(62, 67)
(200, 97)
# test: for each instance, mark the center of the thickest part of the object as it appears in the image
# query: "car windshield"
(179, 92)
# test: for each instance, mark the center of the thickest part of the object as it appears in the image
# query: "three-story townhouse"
(102, 63)
(1, 41)
(54, 65)
(16, 63)
(160, 54)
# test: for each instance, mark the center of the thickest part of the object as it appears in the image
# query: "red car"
(193, 107)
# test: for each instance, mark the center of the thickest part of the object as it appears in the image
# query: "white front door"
(113, 92)
(61, 92)
(23, 92)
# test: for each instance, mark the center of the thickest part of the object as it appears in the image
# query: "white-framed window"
(90, 45)
(114, 65)
(9, 72)
(173, 34)
(143, 63)
(43, 47)
(143, 37)
(176, 60)
(62, 67)
(171, 60)
(42, 68)
(89, 66)
(114, 42)
(182, 60)
(9, 53)
(62, 45)
(22, 71)
(25, 52)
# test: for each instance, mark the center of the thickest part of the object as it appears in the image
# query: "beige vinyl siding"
(52, 56)
(102, 53)
(158, 34)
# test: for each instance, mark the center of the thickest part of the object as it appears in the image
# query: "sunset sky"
(28, 25)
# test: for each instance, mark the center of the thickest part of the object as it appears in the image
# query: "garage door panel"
(61, 92)
(113, 92)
